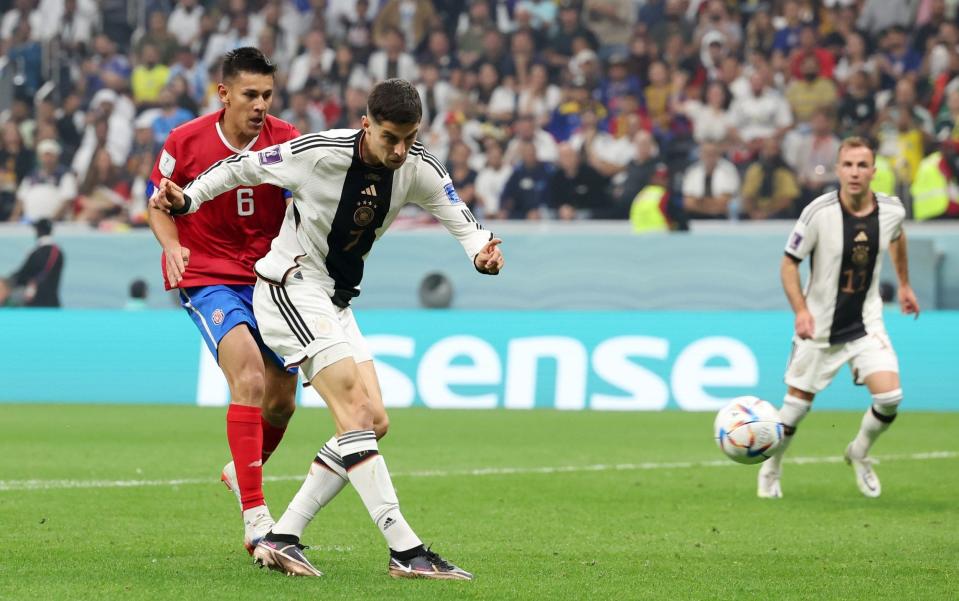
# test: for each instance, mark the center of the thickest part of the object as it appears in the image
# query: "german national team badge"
(363, 216)
(451, 194)
(270, 156)
(860, 254)
(218, 316)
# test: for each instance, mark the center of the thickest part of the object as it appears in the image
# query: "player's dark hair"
(247, 60)
(396, 101)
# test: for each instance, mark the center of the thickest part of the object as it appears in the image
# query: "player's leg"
(796, 404)
(242, 364)
(327, 475)
(876, 366)
(341, 385)
(279, 402)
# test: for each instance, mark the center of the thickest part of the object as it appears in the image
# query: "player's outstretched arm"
(490, 259)
(176, 257)
(908, 302)
(792, 286)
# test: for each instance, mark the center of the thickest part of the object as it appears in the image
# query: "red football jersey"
(235, 229)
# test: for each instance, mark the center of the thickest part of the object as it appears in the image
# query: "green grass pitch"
(124, 502)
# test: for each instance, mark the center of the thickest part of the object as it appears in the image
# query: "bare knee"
(247, 388)
(278, 410)
(381, 425)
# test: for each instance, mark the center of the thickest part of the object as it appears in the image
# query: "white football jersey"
(340, 204)
(845, 254)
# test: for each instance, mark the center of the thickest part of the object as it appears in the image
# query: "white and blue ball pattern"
(748, 430)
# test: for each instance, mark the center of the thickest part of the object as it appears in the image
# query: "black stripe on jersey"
(320, 145)
(353, 229)
(310, 138)
(429, 160)
(860, 249)
(300, 336)
(816, 206)
(233, 159)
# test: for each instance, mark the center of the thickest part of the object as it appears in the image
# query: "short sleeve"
(166, 163)
(802, 238)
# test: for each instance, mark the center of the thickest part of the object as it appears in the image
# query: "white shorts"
(302, 325)
(811, 368)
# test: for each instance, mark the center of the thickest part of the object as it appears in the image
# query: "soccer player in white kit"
(839, 315)
(347, 187)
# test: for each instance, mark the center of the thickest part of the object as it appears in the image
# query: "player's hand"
(490, 259)
(805, 325)
(908, 301)
(177, 259)
(168, 196)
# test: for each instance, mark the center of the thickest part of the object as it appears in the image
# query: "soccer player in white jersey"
(347, 187)
(839, 315)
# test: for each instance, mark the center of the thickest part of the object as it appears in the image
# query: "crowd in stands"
(658, 111)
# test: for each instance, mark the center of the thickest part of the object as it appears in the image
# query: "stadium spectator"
(576, 189)
(787, 35)
(709, 115)
(812, 154)
(596, 147)
(137, 300)
(526, 130)
(897, 60)
(313, 64)
(103, 192)
(26, 56)
(809, 45)
(542, 13)
(412, 19)
(761, 113)
(878, 16)
(714, 18)
(16, 162)
(611, 21)
(75, 26)
(526, 193)
(149, 77)
(760, 33)
(184, 21)
(933, 191)
(439, 51)
(463, 176)
(810, 92)
(709, 185)
(857, 110)
(855, 59)
(157, 35)
(49, 191)
(37, 282)
(649, 209)
(769, 188)
(638, 174)
(302, 110)
(491, 180)
(674, 23)
(471, 30)
(170, 116)
(392, 60)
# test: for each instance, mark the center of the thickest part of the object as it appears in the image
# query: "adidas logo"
(860, 237)
(369, 190)
(389, 522)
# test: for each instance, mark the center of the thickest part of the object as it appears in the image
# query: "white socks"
(326, 479)
(876, 420)
(794, 409)
(367, 472)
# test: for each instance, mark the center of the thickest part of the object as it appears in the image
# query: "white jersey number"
(244, 202)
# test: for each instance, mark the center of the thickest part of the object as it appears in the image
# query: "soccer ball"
(748, 430)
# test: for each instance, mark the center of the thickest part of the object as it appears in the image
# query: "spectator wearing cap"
(649, 208)
(392, 60)
(809, 46)
(526, 193)
(49, 191)
(569, 27)
(576, 189)
(769, 188)
(898, 59)
(612, 21)
(38, 278)
(810, 92)
(709, 185)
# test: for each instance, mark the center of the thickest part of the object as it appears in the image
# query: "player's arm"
(175, 257)
(900, 260)
(440, 199)
(801, 242)
(284, 166)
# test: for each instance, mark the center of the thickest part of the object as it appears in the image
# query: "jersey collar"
(219, 132)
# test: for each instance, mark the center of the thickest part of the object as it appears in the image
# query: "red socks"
(244, 431)
(272, 435)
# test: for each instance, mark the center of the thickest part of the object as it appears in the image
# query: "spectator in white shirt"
(314, 63)
(491, 180)
(760, 114)
(48, 192)
(709, 185)
(184, 21)
(392, 60)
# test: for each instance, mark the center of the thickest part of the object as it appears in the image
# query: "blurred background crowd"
(653, 111)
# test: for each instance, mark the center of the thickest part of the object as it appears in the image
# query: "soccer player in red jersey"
(209, 257)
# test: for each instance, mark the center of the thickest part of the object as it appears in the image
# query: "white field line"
(11, 485)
